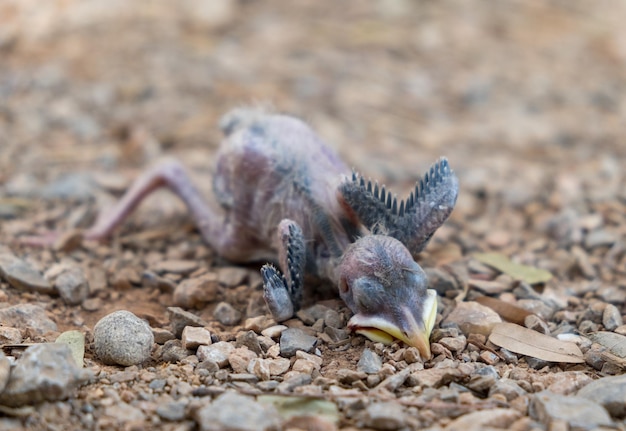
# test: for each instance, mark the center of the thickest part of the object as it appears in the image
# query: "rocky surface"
(122, 338)
(524, 98)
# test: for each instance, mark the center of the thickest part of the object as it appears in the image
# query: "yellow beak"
(412, 330)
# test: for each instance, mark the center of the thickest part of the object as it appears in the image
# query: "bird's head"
(387, 292)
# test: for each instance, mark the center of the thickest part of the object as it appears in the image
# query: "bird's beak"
(408, 327)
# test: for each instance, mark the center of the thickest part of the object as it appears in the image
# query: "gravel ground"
(525, 100)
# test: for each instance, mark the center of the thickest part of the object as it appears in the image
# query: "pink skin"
(284, 195)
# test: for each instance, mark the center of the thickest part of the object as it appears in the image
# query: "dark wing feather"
(411, 221)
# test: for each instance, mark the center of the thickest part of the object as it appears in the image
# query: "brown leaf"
(529, 274)
(531, 343)
(509, 312)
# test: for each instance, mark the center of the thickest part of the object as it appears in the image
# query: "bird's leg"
(283, 291)
(170, 174)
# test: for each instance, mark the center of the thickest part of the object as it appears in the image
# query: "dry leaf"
(507, 311)
(531, 343)
(616, 343)
(292, 406)
(76, 341)
(529, 274)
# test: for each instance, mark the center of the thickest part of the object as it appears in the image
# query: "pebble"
(161, 335)
(294, 339)
(369, 363)
(21, 275)
(10, 335)
(292, 382)
(235, 412)
(5, 370)
(180, 318)
(216, 352)
(194, 336)
(611, 317)
(483, 379)
(122, 338)
(72, 285)
(507, 387)
(485, 419)
(172, 411)
(577, 412)
(312, 314)
(239, 358)
(27, 316)
(175, 266)
(274, 331)
(44, 372)
(387, 415)
(441, 281)
(610, 392)
(232, 276)
(455, 344)
(432, 377)
(473, 318)
(250, 340)
(226, 314)
(196, 292)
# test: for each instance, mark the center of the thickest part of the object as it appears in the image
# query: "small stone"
(441, 281)
(274, 331)
(258, 323)
(92, 304)
(292, 382)
(260, 368)
(175, 266)
(194, 336)
(536, 363)
(232, 411)
(173, 411)
(44, 372)
(196, 292)
(173, 351)
(312, 314)
(369, 363)
(72, 285)
(534, 322)
(122, 338)
(239, 359)
(455, 344)
(433, 377)
(335, 334)
(21, 275)
(294, 339)
(578, 412)
(180, 318)
(485, 419)
(333, 319)
(232, 276)
(217, 352)
(507, 387)
(250, 340)
(278, 366)
(483, 379)
(610, 392)
(611, 317)
(29, 316)
(388, 415)
(161, 336)
(5, 370)
(9, 335)
(488, 357)
(599, 238)
(472, 317)
(538, 307)
(226, 314)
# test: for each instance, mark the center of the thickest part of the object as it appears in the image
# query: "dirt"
(524, 99)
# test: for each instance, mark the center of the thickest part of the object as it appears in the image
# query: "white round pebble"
(122, 338)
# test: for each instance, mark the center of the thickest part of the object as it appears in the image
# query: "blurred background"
(524, 97)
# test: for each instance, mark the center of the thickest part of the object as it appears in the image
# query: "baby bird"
(286, 197)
